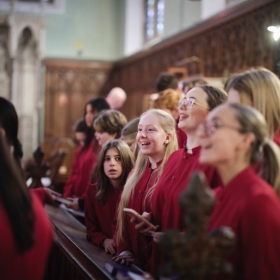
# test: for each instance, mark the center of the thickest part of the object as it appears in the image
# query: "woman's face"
(220, 139)
(81, 138)
(102, 137)
(191, 117)
(235, 97)
(130, 142)
(112, 164)
(151, 137)
(89, 116)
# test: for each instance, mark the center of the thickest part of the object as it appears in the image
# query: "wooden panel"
(69, 85)
(232, 41)
(72, 256)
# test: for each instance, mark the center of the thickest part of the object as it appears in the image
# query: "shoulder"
(175, 156)
(92, 189)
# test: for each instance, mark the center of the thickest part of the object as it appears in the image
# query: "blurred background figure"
(168, 101)
(258, 88)
(166, 80)
(188, 85)
(129, 134)
(116, 98)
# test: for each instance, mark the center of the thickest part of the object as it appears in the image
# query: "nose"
(183, 105)
(112, 162)
(142, 133)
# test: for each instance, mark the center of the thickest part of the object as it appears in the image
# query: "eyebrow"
(216, 119)
(191, 97)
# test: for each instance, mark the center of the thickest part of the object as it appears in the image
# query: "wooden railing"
(72, 256)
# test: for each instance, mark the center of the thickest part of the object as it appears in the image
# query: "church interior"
(57, 55)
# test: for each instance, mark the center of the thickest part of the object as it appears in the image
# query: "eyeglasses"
(210, 128)
(189, 102)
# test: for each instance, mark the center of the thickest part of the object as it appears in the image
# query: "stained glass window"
(154, 19)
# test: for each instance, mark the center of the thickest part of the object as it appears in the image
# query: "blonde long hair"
(263, 88)
(168, 124)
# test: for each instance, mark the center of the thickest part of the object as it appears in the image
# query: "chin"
(204, 159)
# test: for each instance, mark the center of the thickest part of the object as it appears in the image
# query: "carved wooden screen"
(69, 85)
(232, 41)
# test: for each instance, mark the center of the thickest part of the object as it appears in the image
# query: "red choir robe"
(80, 176)
(133, 240)
(250, 206)
(40, 193)
(181, 136)
(174, 179)
(276, 138)
(32, 263)
(100, 218)
(165, 200)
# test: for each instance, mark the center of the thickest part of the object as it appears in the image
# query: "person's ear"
(168, 138)
(247, 141)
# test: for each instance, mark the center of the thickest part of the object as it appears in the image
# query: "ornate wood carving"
(196, 254)
(232, 41)
(69, 85)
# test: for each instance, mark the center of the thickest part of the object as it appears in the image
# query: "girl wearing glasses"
(193, 110)
(233, 140)
(259, 88)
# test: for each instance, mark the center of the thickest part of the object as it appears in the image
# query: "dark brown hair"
(15, 197)
(103, 182)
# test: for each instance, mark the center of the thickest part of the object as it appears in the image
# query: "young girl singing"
(157, 140)
(233, 139)
(114, 164)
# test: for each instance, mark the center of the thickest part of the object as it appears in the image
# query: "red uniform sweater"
(165, 200)
(80, 176)
(251, 208)
(133, 240)
(174, 179)
(100, 218)
(31, 264)
(181, 136)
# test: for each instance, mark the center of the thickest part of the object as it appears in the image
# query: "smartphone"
(61, 200)
(133, 213)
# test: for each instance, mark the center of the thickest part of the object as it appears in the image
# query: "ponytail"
(270, 170)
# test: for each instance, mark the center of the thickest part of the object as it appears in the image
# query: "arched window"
(154, 26)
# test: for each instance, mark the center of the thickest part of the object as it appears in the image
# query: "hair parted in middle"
(263, 89)
(102, 181)
(110, 121)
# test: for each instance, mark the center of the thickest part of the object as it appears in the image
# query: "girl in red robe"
(26, 234)
(157, 139)
(85, 156)
(165, 212)
(233, 139)
(111, 171)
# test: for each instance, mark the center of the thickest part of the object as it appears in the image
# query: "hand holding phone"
(139, 218)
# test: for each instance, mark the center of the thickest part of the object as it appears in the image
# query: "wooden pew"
(72, 256)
